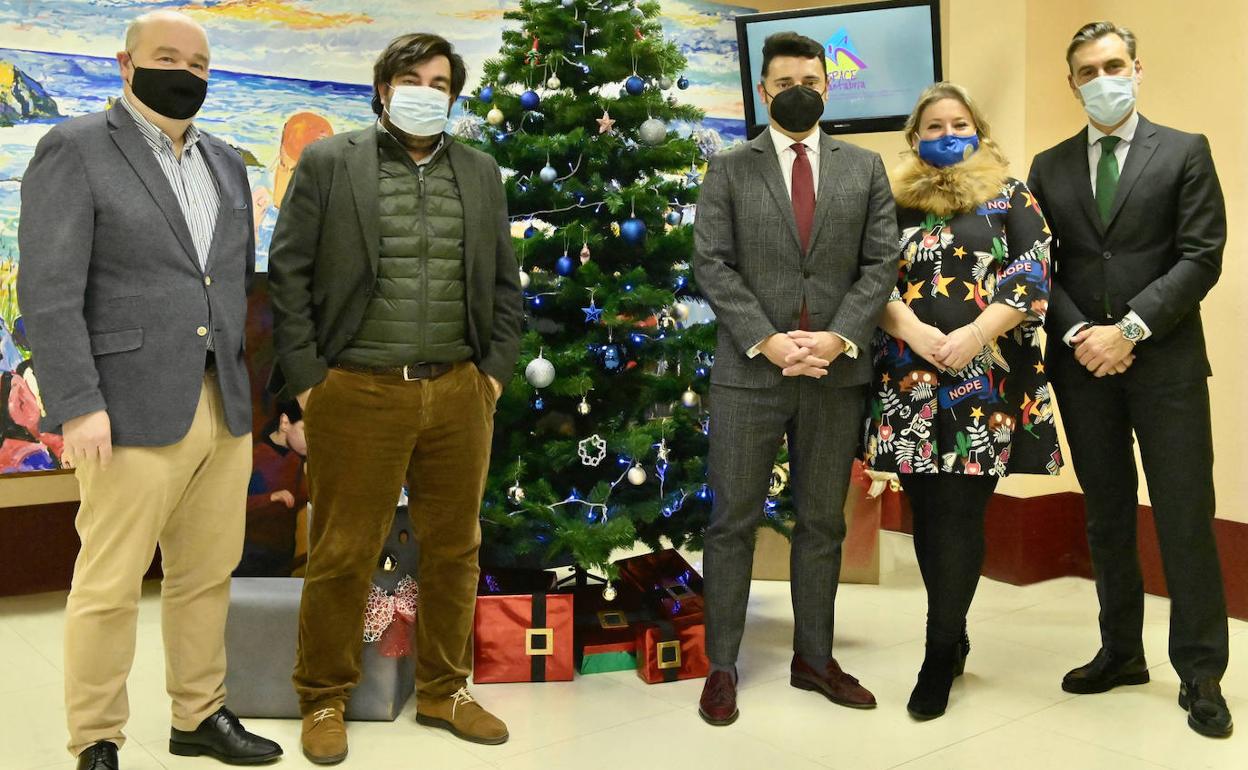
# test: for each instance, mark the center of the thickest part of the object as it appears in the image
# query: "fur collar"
(952, 190)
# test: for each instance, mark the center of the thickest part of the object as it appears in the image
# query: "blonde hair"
(947, 90)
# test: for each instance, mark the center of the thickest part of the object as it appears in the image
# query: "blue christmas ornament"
(612, 357)
(486, 95)
(593, 313)
(635, 85)
(530, 100)
(539, 404)
(564, 266)
(530, 231)
(673, 217)
(633, 230)
(683, 83)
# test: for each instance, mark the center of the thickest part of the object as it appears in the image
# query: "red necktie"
(803, 193)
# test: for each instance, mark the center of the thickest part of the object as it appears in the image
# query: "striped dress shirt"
(190, 178)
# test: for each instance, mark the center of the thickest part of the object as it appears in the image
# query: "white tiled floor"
(1008, 711)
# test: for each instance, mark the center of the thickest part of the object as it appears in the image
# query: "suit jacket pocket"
(119, 341)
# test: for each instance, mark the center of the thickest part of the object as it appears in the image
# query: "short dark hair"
(405, 52)
(792, 44)
(1097, 30)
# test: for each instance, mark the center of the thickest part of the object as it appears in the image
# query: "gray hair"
(1097, 30)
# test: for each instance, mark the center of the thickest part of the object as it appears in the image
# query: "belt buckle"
(406, 377)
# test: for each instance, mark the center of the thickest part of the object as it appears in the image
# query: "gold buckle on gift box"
(677, 590)
(612, 619)
(668, 654)
(547, 637)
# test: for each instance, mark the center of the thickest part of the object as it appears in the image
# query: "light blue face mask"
(948, 149)
(1109, 98)
(418, 110)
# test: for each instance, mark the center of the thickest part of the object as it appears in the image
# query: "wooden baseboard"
(1040, 538)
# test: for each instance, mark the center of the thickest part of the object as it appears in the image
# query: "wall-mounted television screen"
(880, 58)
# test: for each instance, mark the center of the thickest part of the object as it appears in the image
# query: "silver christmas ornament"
(495, 117)
(503, 78)
(540, 372)
(554, 84)
(548, 174)
(516, 494)
(583, 408)
(653, 132)
(636, 475)
(665, 82)
(690, 399)
(525, 280)
(609, 593)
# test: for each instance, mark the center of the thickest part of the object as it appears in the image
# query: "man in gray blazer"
(795, 247)
(136, 246)
(397, 318)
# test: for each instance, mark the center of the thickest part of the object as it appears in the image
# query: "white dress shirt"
(1125, 132)
(787, 156)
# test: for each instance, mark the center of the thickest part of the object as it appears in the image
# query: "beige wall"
(1009, 53)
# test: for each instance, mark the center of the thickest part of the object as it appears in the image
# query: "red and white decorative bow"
(390, 618)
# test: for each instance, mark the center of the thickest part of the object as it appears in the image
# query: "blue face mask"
(948, 149)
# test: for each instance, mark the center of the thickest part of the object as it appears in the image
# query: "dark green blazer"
(323, 259)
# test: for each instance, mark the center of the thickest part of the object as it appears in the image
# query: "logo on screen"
(844, 63)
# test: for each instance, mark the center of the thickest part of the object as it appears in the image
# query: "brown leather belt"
(409, 373)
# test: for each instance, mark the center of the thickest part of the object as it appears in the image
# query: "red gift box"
(666, 581)
(671, 650)
(606, 630)
(524, 638)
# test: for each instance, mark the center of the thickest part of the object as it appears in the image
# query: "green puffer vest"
(418, 311)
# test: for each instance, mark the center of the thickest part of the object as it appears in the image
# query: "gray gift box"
(263, 630)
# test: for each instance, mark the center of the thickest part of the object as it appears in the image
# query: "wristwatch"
(1131, 331)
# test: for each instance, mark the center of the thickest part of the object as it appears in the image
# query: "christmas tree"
(600, 439)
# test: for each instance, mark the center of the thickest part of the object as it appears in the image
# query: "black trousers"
(949, 544)
(1172, 424)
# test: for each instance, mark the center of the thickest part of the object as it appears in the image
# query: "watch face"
(1133, 332)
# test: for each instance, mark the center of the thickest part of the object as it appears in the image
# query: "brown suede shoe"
(325, 735)
(463, 717)
(718, 704)
(833, 683)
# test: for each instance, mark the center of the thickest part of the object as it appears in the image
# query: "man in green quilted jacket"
(397, 316)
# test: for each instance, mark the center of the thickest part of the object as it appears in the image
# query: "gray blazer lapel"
(227, 192)
(1143, 145)
(137, 152)
(829, 171)
(768, 167)
(362, 169)
(477, 219)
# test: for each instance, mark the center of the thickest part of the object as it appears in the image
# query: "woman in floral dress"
(960, 397)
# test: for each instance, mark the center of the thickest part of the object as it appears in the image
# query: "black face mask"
(797, 109)
(177, 94)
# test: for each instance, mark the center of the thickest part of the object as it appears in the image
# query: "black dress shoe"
(1206, 709)
(222, 736)
(1106, 671)
(99, 756)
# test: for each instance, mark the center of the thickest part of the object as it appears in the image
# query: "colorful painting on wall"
(285, 73)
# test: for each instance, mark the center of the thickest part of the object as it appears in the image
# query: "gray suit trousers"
(747, 428)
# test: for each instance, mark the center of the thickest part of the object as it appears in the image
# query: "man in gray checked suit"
(796, 250)
(136, 246)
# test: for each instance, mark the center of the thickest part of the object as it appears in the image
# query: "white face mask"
(1109, 98)
(418, 110)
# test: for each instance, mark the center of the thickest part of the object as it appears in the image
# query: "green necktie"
(1107, 176)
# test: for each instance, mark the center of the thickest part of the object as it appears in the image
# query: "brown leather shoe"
(835, 685)
(325, 735)
(718, 705)
(463, 717)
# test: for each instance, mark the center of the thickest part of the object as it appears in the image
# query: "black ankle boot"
(930, 697)
(964, 649)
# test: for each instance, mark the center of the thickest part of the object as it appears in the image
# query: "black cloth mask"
(797, 109)
(177, 94)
